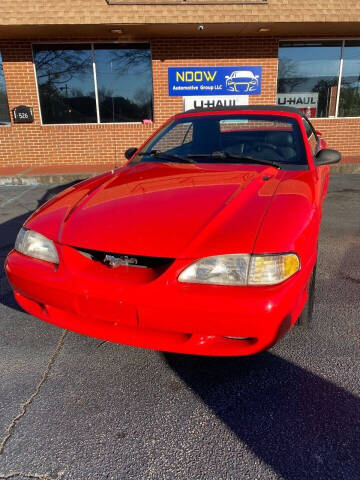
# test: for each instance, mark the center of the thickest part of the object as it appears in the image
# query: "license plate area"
(114, 312)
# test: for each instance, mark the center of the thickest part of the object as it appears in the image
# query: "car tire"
(305, 318)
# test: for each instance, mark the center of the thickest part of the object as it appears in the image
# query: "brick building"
(95, 72)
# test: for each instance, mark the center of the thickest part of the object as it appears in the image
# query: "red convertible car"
(205, 242)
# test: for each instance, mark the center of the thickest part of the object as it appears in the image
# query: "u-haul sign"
(307, 102)
(214, 101)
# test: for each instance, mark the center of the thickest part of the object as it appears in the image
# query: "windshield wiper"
(224, 155)
(167, 156)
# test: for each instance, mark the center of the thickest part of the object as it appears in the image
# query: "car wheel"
(307, 313)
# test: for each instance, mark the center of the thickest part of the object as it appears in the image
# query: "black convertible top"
(239, 108)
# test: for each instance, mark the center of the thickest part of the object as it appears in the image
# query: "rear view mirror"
(130, 152)
(327, 156)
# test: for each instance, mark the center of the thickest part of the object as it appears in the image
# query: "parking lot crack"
(350, 278)
(37, 476)
(25, 405)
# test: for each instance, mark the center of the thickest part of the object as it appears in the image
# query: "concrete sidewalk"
(49, 174)
(57, 174)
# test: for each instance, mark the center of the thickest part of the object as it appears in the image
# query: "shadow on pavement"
(301, 425)
(8, 233)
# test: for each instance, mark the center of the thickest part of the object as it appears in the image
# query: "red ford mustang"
(204, 243)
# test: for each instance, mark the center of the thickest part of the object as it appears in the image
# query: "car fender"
(50, 217)
(292, 221)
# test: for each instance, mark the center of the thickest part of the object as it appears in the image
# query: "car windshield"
(267, 139)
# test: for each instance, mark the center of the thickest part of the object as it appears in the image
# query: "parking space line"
(13, 199)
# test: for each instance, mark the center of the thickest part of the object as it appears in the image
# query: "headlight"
(272, 269)
(36, 245)
(221, 270)
(242, 269)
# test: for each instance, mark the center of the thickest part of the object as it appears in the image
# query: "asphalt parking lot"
(76, 408)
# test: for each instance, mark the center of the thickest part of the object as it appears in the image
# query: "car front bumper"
(160, 313)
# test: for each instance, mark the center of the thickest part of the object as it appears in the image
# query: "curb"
(49, 179)
(346, 168)
(45, 179)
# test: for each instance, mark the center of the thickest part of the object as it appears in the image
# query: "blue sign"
(184, 81)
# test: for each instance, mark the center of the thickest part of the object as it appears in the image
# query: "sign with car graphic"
(194, 81)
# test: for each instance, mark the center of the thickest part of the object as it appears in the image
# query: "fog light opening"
(237, 338)
(249, 340)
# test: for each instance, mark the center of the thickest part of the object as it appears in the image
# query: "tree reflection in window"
(65, 75)
(124, 82)
(4, 107)
(66, 83)
(349, 105)
(311, 67)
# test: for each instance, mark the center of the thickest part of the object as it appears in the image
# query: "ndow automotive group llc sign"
(190, 81)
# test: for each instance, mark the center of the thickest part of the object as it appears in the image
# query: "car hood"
(165, 210)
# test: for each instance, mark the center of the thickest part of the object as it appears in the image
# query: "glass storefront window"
(66, 83)
(94, 83)
(349, 104)
(309, 75)
(124, 82)
(4, 106)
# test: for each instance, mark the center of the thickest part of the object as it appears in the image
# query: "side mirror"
(130, 152)
(327, 156)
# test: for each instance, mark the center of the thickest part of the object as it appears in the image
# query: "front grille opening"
(114, 260)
